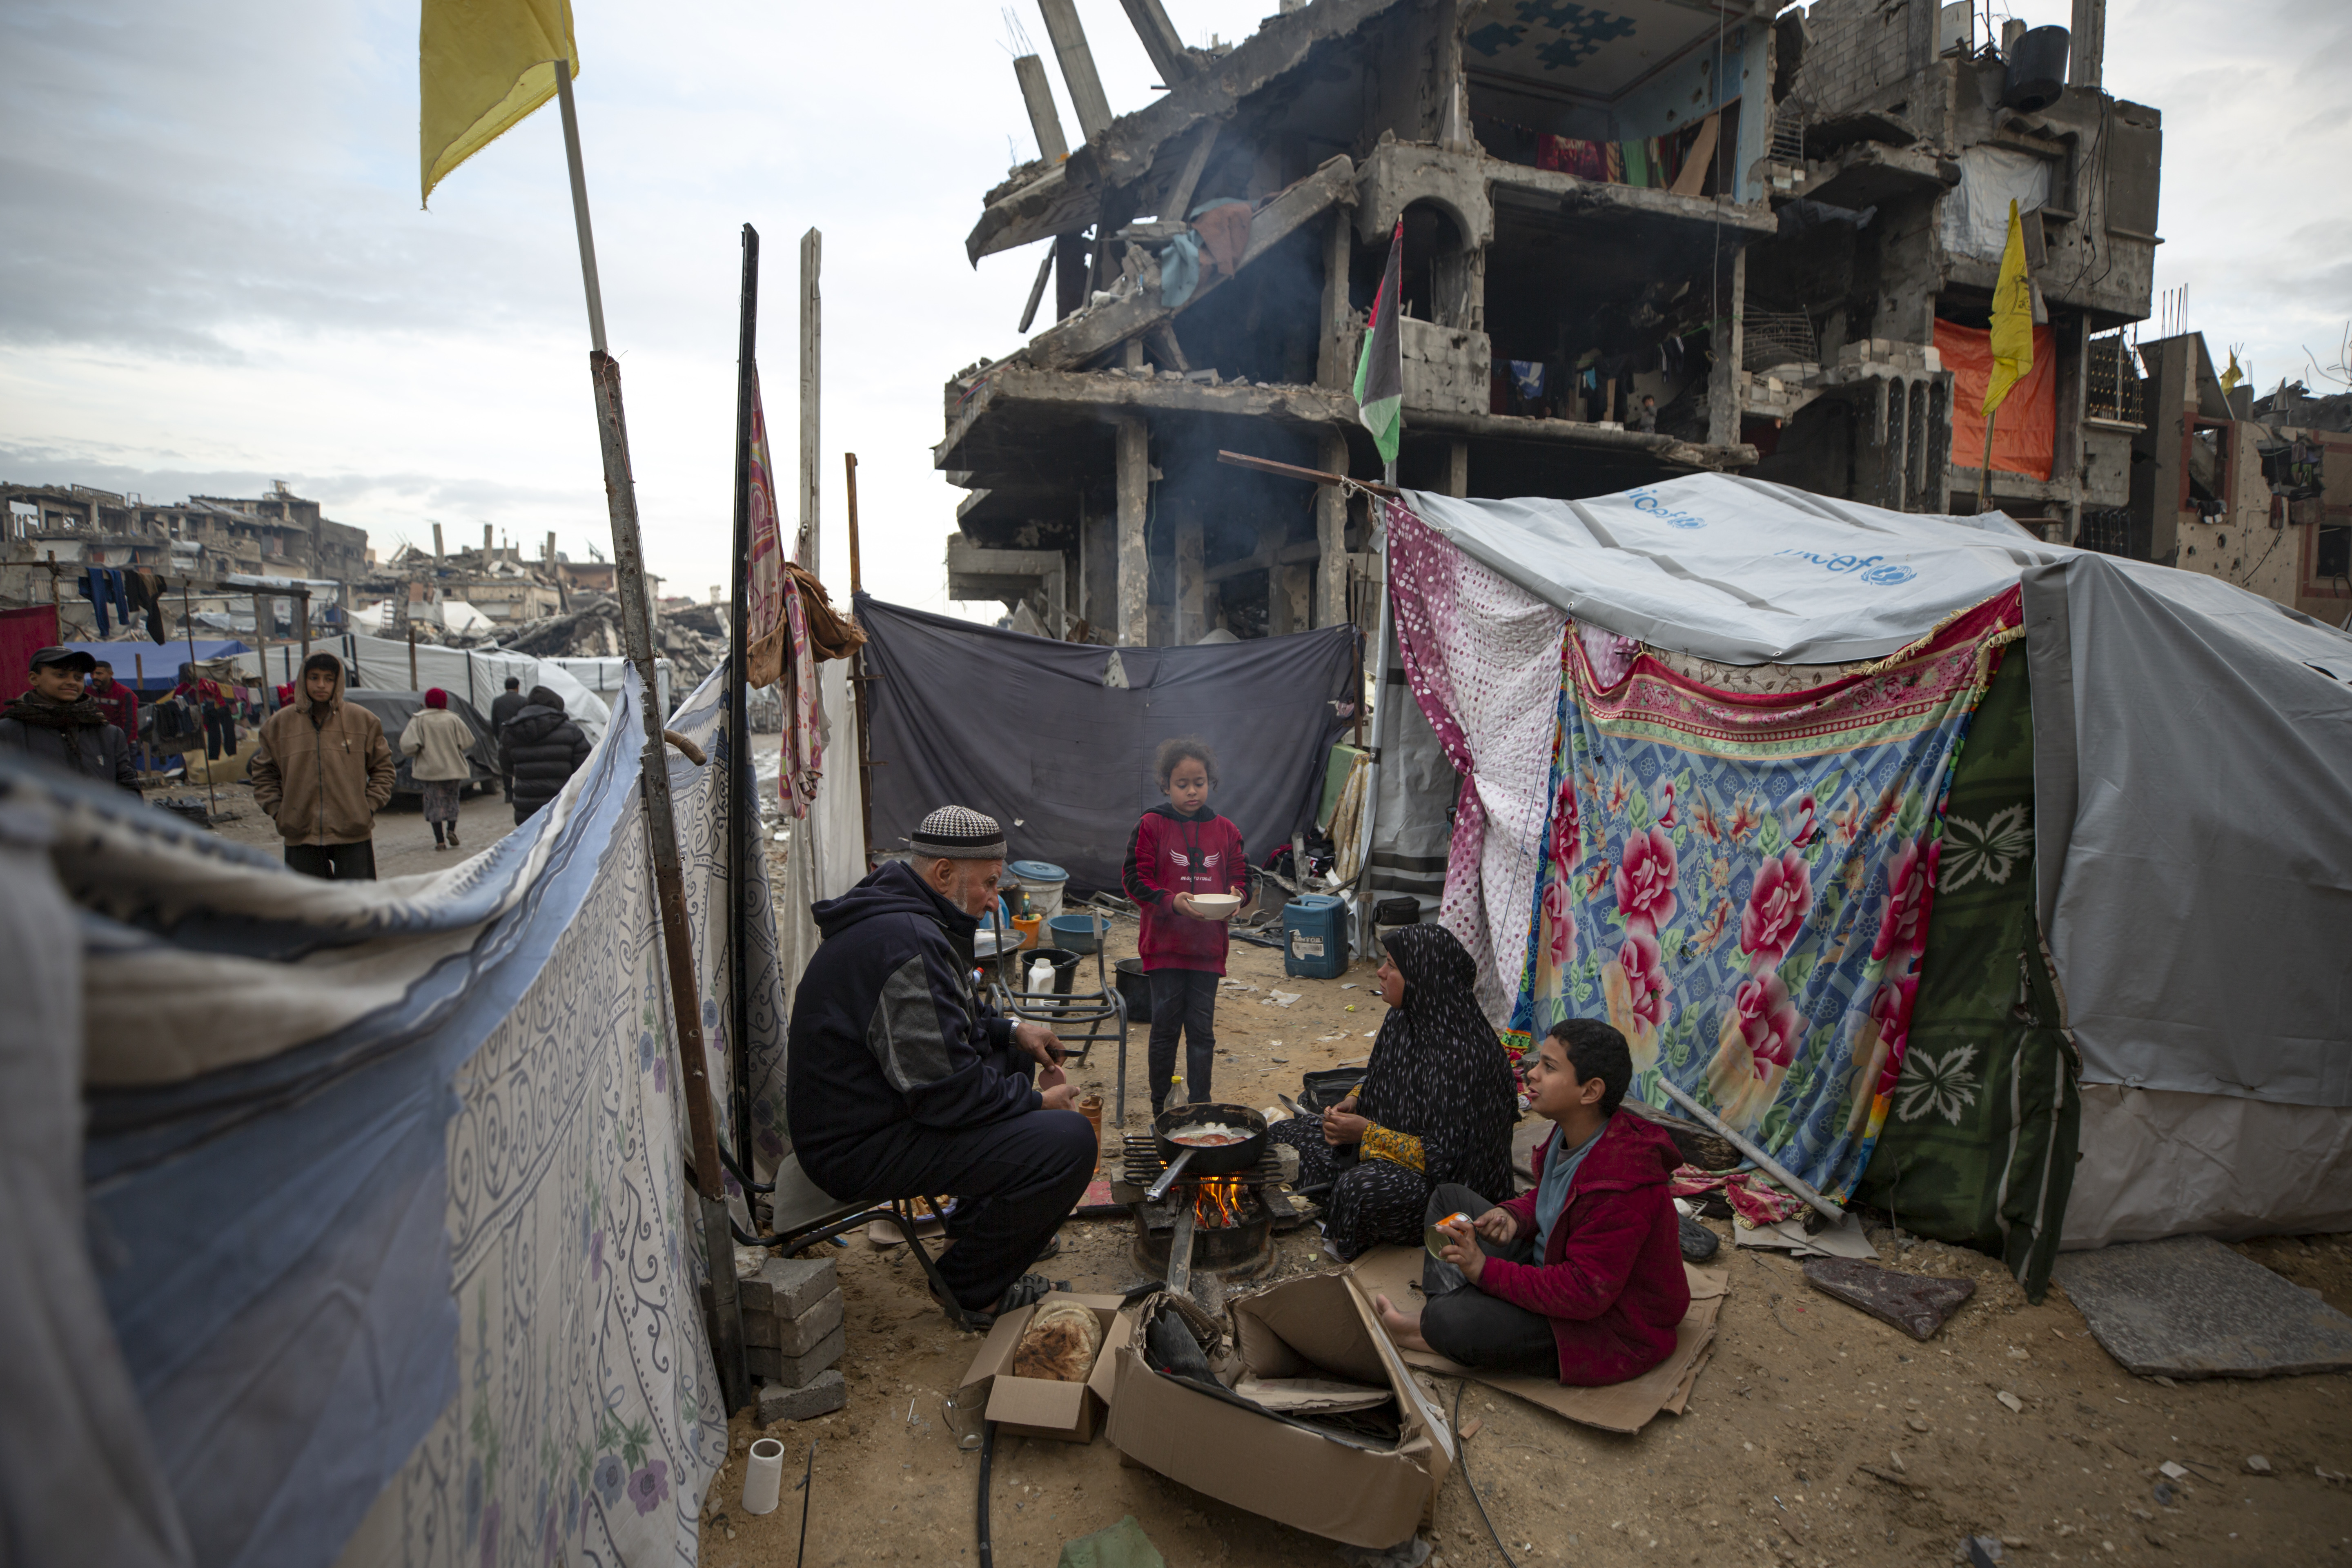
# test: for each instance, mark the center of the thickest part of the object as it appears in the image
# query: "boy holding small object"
(1582, 1278)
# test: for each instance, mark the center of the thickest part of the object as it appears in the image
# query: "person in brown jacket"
(323, 772)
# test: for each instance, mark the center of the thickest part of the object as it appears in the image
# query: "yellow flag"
(482, 65)
(2012, 317)
(2232, 376)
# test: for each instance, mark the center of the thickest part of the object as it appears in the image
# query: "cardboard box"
(1298, 1477)
(1043, 1406)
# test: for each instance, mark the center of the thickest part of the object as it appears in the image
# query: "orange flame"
(1219, 1203)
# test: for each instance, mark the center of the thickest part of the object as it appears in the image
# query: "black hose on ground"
(987, 1454)
(1464, 1449)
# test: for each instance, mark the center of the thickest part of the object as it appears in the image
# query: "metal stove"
(1221, 1226)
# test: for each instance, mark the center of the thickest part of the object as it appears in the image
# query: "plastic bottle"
(1041, 977)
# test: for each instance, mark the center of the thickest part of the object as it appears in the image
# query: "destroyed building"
(1640, 240)
(279, 534)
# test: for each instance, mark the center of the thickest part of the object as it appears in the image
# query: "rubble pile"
(693, 639)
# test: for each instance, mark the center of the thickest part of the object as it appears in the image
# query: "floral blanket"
(1482, 657)
(1741, 881)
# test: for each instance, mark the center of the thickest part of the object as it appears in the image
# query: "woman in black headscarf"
(1436, 1103)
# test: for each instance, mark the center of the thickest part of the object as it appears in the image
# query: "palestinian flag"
(1380, 373)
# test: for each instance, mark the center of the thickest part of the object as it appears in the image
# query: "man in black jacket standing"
(56, 721)
(902, 1082)
(505, 706)
(540, 748)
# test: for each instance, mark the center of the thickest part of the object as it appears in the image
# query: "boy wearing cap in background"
(56, 721)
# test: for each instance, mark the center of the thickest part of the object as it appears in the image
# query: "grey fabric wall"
(2192, 749)
(1025, 729)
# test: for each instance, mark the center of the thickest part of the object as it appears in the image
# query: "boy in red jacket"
(1178, 851)
(1582, 1278)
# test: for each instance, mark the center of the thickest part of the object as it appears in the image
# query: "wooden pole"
(411, 660)
(857, 580)
(742, 775)
(1984, 464)
(811, 367)
(138, 690)
(661, 826)
(188, 630)
(859, 679)
(55, 608)
(261, 642)
(306, 625)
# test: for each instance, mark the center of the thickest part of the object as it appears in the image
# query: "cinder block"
(826, 1391)
(794, 1336)
(787, 1287)
(793, 1371)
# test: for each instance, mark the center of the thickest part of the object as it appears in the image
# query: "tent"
(393, 709)
(160, 665)
(1910, 844)
(1055, 740)
(478, 675)
(359, 1219)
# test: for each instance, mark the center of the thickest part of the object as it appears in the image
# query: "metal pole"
(411, 658)
(1772, 1167)
(579, 207)
(742, 777)
(661, 826)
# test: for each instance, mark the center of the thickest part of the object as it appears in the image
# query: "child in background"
(1179, 850)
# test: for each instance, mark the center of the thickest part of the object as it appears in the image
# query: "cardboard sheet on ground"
(1845, 1240)
(1618, 1407)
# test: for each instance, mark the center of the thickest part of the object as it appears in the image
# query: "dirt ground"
(1815, 1435)
(404, 839)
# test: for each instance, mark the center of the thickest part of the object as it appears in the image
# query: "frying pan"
(1222, 1160)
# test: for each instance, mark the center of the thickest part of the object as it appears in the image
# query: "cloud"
(217, 273)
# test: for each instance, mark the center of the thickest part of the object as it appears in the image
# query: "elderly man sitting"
(903, 1082)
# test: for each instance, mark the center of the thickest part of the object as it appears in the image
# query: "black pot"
(1218, 1162)
(1135, 989)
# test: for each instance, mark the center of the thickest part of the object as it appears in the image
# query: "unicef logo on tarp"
(1648, 501)
(1875, 570)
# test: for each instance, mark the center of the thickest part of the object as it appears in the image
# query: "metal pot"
(1223, 1161)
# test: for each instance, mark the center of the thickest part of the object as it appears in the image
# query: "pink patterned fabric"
(1481, 655)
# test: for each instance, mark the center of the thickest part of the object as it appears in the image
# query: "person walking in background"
(1179, 850)
(321, 774)
(437, 741)
(504, 706)
(116, 700)
(58, 722)
(540, 748)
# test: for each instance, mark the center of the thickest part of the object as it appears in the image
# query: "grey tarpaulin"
(2192, 745)
(394, 709)
(1025, 729)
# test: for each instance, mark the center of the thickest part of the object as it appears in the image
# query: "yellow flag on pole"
(482, 65)
(2012, 317)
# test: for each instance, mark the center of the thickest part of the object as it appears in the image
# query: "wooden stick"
(860, 680)
(661, 824)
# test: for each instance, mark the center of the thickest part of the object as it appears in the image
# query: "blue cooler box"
(1315, 937)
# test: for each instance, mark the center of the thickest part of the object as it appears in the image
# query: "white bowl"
(1215, 906)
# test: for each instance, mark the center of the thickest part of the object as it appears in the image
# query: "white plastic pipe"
(763, 1477)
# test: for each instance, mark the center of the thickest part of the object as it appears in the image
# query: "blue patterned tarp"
(387, 1203)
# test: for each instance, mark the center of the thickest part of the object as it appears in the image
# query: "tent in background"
(2151, 710)
(1055, 740)
(160, 664)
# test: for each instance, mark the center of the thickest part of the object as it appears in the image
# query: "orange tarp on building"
(2025, 431)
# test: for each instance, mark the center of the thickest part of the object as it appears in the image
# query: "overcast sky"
(215, 272)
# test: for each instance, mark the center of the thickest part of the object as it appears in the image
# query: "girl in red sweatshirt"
(1178, 851)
